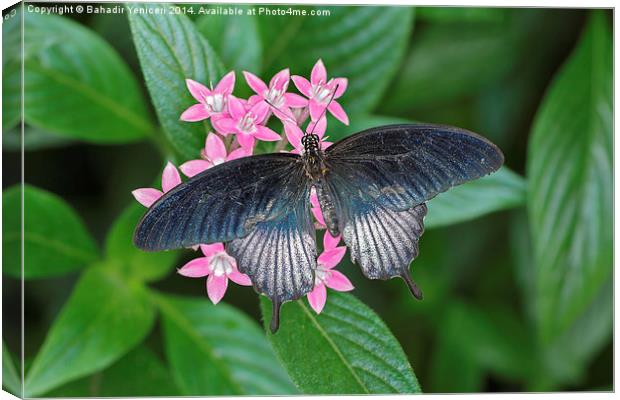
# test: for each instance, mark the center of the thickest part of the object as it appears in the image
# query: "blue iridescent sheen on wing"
(400, 166)
(223, 203)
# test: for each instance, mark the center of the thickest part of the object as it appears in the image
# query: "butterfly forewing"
(223, 203)
(400, 166)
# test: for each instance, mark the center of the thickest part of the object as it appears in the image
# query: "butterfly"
(372, 188)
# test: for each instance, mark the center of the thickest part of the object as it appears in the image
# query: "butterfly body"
(372, 188)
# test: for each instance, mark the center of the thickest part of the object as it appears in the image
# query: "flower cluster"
(239, 124)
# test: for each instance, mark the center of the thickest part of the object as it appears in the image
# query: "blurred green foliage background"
(516, 270)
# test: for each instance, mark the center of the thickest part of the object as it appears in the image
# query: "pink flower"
(275, 93)
(316, 209)
(169, 179)
(319, 91)
(294, 134)
(211, 103)
(246, 122)
(214, 153)
(219, 267)
(326, 275)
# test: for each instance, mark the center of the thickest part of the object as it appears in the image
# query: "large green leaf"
(346, 349)
(55, 238)
(363, 44)
(171, 50)
(140, 372)
(499, 191)
(105, 317)
(570, 184)
(121, 252)
(10, 379)
(461, 14)
(33, 139)
(449, 61)
(76, 85)
(11, 68)
(217, 350)
(234, 37)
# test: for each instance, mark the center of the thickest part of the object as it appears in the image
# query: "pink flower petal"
(197, 90)
(255, 83)
(330, 258)
(341, 85)
(302, 85)
(239, 153)
(194, 113)
(325, 145)
(196, 268)
(147, 196)
(294, 135)
(211, 249)
(245, 140)
(216, 287)
(260, 111)
(330, 242)
(284, 114)
(224, 126)
(266, 134)
(236, 108)
(170, 178)
(318, 128)
(339, 282)
(337, 111)
(239, 278)
(317, 110)
(317, 298)
(194, 167)
(280, 80)
(227, 84)
(294, 100)
(254, 99)
(215, 148)
(318, 214)
(318, 74)
(314, 199)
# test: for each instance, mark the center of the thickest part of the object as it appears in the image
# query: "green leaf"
(105, 317)
(123, 379)
(346, 349)
(77, 86)
(122, 254)
(570, 184)
(55, 238)
(472, 340)
(217, 350)
(11, 68)
(448, 61)
(363, 44)
(10, 380)
(499, 191)
(171, 50)
(34, 139)
(461, 14)
(234, 37)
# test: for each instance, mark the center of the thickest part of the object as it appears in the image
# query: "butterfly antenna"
(288, 117)
(324, 110)
(275, 316)
(415, 290)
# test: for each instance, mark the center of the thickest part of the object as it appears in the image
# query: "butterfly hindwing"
(280, 255)
(401, 166)
(223, 203)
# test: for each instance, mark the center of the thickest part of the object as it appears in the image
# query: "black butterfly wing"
(223, 203)
(378, 181)
(400, 166)
(280, 256)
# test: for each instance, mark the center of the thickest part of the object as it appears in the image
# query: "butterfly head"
(311, 143)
